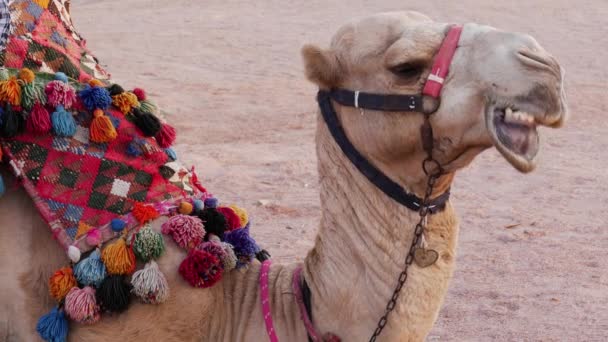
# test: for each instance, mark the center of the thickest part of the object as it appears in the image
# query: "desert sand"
(533, 248)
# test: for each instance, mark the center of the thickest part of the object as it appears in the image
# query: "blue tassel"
(117, 225)
(59, 76)
(95, 97)
(244, 245)
(171, 154)
(53, 327)
(2, 187)
(198, 204)
(63, 122)
(211, 202)
(90, 271)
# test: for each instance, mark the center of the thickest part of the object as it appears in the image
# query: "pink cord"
(266, 301)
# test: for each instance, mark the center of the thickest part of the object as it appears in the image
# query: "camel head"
(501, 87)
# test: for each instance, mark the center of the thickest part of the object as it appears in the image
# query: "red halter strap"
(441, 66)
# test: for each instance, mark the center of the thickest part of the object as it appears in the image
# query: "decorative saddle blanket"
(97, 163)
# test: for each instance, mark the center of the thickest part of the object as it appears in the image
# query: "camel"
(501, 87)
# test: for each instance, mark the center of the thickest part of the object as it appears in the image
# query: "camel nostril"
(537, 60)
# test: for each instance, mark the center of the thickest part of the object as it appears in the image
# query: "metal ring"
(430, 104)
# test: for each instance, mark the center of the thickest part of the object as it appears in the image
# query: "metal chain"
(433, 174)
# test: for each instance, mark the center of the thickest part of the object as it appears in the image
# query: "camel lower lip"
(520, 137)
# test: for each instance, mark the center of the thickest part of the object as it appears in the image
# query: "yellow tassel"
(93, 82)
(61, 282)
(83, 228)
(102, 130)
(118, 258)
(10, 91)
(125, 102)
(42, 3)
(26, 75)
(241, 213)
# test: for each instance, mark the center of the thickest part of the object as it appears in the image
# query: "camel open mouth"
(514, 134)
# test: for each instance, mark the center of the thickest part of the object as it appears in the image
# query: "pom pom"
(214, 222)
(144, 212)
(60, 94)
(185, 208)
(140, 93)
(93, 82)
(117, 225)
(125, 102)
(12, 122)
(148, 244)
(171, 154)
(81, 306)
(102, 130)
(148, 107)
(221, 250)
(166, 136)
(232, 220)
(113, 294)
(118, 258)
(147, 123)
(187, 231)
(63, 122)
(59, 76)
(93, 237)
(201, 269)
(61, 282)
(10, 91)
(150, 284)
(32, 93)
(95, 97)
(90, 271)
(244, 245)
(242, 214)
(27, 75)
(198, 204)
(53, 327)
(74, 254)
(211, 202)
(39, 120)
(115, 89)
(4, 74)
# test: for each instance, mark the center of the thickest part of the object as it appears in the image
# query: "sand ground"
(230, 75)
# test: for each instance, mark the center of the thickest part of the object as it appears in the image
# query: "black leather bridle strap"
(375, 176)
(388, 103)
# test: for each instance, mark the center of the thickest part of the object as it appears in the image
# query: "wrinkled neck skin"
(363, 240)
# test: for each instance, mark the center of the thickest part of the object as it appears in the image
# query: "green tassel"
(30, 94)
(148, 244)
(148, 107)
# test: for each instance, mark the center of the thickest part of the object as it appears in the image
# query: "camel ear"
(321, 66)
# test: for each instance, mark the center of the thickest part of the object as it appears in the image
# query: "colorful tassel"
(32, 93)
(125, 102)
(244, 245)
(187, 231)
(95, 98)
(115, 89)
(166, 136)
(53, 327)
(148, 107)
(117, 225)
(59, 93)
(118, 258)
(61, 282)
(150, 284)
(171, 154)
(198, 205)
(113, 294)
(140, 93)
(214, 222)
(27, 75)
(102, 130)
(39, 120)
(74, 254)
(93, 237)
(10, 91)
(81, 306)
(201, 269)
(90, 271)
(232, 220)
(93, 82)
(148, 244)
(4, 74)
(144, 212)
(60, 76)
(211, 202)
(242, 214)
(185, 208)
(63, 122)
(221, 250)
(146, 122)
(12, 122)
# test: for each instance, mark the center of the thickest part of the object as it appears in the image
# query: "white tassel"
(150, 284)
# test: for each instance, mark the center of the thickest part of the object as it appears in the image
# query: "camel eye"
(408, 70)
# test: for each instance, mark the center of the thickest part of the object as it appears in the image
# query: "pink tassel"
(166, 136)
(60, 93)
(81, 306)
(93, 237)
(39, 120)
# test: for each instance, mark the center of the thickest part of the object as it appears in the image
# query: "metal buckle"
(430, 104)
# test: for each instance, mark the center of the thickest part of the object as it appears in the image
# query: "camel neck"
(360, 248)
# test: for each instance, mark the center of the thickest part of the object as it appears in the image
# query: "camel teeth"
(517, 117)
